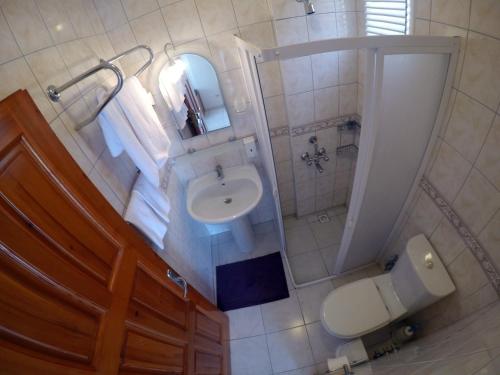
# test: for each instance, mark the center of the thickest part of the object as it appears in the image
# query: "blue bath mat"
(251, 282)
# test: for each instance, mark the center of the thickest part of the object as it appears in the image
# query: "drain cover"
(324, 218)
(228, 200)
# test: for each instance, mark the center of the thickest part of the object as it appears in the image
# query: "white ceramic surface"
(214, 201)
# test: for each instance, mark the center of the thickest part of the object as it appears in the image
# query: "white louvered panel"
(389, 17)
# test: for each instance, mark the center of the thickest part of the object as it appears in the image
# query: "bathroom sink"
(214, 201)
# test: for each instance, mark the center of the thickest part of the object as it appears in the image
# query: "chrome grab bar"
(54, 92)
(172, 275)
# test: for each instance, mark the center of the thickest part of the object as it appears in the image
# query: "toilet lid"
(354, 309)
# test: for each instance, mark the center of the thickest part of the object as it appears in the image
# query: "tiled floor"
(312, 245)
(282, 337)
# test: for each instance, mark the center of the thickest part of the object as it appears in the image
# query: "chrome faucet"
(319, 154)
(219, 171)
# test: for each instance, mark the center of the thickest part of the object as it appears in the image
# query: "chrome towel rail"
(54, 92)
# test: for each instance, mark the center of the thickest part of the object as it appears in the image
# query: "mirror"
(191, 89)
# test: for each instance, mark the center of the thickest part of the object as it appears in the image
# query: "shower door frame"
(376, 47)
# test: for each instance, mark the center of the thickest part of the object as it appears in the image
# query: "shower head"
(308, 6)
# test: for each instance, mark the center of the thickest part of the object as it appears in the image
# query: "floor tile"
(308, 267)
(246, 322)
(290, 349)
(250, 356)
(300, 240)
(292, 222)
(282, 314)
(328, 233)
(228, 252)
(329, 255)
(311, 299)
(323, 344)
(266, 243)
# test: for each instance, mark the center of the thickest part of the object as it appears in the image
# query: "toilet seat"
(354, 309)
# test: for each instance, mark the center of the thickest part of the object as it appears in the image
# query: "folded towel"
(110, 115)
(119, 135)
(143, 217)
(148, 210)
(153, 196)
(135, 103)
(172, 85)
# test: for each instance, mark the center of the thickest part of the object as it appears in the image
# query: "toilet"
(418, 280)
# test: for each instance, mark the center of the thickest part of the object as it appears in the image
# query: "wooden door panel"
(207, 363)
(154, 294)
(80, 291)
(33, 193)
(158, 337)
(143, 353)
(45, 323)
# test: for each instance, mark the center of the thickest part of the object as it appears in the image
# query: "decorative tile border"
(464, 232)
(312, 127)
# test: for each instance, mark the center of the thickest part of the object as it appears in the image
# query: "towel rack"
(54, 92)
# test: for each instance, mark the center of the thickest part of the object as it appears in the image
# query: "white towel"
(109, 116)
(154, 196)
(119, 136)
(172, 85)
(148, 210)
(140, 214)
(135, 103)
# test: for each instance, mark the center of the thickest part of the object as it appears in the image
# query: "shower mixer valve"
(319, 154)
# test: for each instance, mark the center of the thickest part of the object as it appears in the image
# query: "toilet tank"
(419, 277)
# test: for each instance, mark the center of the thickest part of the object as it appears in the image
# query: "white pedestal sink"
(227, 200)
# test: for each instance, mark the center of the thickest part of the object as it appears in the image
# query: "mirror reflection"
(191, 89)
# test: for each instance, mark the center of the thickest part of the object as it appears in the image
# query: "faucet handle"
(305, 156)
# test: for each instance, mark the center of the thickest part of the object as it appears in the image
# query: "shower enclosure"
(345, 162)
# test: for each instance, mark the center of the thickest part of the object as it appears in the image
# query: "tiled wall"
(187, 244)
(305, 90)
(469, 347)
(465, 169)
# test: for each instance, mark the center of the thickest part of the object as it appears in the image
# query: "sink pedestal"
(243, 233)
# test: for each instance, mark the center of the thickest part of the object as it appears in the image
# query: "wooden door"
(80, 292)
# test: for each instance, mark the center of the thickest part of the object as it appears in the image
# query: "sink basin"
(214, 201)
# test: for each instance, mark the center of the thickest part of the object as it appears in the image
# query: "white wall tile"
(326, 103)
(248, 13)
(137, 8)
(477, 201)
(300, 109)
(481, 72)
(111, 13)
(297, 75)
(291, 31)
(182, 20)
(488, 161)
(325, 69)
(150, 29)
(216, 15)
(452, 12)
(469, 124)
(27, 25)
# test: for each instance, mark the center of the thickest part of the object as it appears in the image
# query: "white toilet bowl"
(363, 306)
